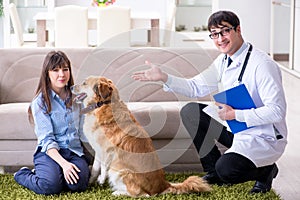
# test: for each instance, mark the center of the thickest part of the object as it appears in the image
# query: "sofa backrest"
(20, 69)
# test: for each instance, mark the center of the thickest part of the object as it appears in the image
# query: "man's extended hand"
(152, 74)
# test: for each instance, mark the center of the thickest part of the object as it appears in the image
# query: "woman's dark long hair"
(54, 59)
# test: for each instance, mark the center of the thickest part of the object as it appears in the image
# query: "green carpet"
(10, 190)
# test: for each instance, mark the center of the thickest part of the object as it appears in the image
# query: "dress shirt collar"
(240, 51)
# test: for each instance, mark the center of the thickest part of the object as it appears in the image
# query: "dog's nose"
(72, 88)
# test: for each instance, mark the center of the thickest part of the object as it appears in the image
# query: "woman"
(59, 161)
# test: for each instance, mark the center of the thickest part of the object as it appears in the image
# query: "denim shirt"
(58, 129)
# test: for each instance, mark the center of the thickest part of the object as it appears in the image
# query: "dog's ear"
(103, 90)
(109, 81)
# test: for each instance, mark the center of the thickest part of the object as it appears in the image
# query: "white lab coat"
(262, 78)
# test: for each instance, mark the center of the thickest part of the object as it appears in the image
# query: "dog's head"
(95, 89)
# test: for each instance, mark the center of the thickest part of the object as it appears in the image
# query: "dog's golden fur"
(123, 149)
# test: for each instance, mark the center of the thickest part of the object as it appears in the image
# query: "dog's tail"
(191, 184)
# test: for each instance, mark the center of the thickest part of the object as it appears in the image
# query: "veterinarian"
(59, 161)
(253, 152)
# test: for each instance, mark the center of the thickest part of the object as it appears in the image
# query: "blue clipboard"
(238, 98)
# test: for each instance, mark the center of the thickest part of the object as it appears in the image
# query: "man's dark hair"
(218, 18)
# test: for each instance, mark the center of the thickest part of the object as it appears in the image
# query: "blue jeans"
(48, 177)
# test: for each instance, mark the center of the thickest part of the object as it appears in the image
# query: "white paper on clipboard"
(212, 111)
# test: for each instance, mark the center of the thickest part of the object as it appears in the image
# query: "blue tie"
(229, 61)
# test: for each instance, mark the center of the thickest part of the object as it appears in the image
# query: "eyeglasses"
(223, 32)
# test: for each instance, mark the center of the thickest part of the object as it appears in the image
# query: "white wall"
(192, 16)
(254, 16)
(56, 3)
(5, 34)
(193, 13)
(26, 15)
(297, 37)
(162, 7)
(281, 29)
(159, 6)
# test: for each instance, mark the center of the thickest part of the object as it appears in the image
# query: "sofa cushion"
(160, 119)
(14, 122)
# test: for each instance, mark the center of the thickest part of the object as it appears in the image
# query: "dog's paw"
(120, 193)
(101, 179)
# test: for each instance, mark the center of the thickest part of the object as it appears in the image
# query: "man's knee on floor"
(227, 175)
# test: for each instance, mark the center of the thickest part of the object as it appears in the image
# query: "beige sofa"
(156, 110)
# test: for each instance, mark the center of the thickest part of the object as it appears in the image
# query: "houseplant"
(1, 8)
(102, 3)
(1, 24)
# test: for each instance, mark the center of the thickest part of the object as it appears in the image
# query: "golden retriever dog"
(123, 149)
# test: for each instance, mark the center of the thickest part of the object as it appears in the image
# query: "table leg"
(41, 33)
(154, 32)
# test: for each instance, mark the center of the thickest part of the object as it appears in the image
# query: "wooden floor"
(287, 183)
